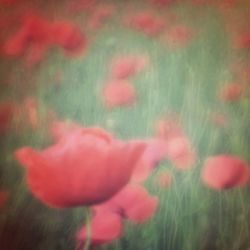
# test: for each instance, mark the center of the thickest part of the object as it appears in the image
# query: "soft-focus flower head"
(105, 227)
(123, 67)
(84, 167)
(118, 93)
(224, 172)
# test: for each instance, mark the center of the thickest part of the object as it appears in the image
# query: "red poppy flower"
(69, 37)
(34, 31)
(36, 35)
(100, 16)
(105, 227)
(127, 66)
(133, 202)
(7, 110)
(119, 93)
(85, 167)
(224, 172)
(146, 22)
(181, 153)
(231, 92)
(178, 147)
(168, 127)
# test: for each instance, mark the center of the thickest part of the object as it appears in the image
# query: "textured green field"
(185, 80)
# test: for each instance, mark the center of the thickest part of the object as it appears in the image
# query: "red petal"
(105, 227)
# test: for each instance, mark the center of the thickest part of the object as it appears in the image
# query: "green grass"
(190, 216)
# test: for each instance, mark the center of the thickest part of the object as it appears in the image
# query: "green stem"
(88, 230)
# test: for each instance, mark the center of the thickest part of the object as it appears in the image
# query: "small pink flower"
(146, 22)
(231, 92)
(119, 93)
(163, 179)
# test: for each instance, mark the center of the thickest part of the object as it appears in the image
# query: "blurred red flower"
(118, 93)
(133, 203)
(154, 152)
(146, 22)
(69, 37)
(127, 66)
(100, 15)
(85, 167)
(231, 92)
(179, 149)
(36, 35)
(105, 227)
(224, 172)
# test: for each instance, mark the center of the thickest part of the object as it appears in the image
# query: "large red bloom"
(85, 167)
(225, 171)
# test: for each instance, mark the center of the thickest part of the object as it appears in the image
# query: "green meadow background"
(185, 80)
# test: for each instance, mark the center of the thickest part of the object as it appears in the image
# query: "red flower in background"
(69, 37)
(154, 152)
(7, 110)
(36, 35)
(127, 66)
(119, 93)
(179, 149)
(34, 31)
(231, 92)
(100, 15)
(146, 22)
(133, 202)
(224, 172)
(85, 167)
